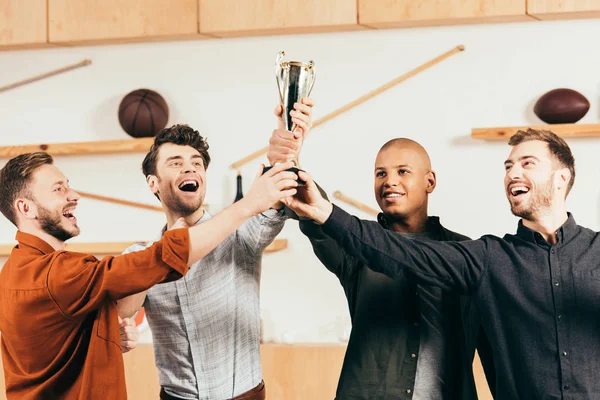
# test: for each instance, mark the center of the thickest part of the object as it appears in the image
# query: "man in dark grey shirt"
(538, 290)
(408, 341)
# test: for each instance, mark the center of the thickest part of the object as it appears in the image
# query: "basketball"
(143, 113)
(561, 106)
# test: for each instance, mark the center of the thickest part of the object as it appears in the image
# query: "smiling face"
(534, 180)
(403, 179)
(52, 203)
(180, 180)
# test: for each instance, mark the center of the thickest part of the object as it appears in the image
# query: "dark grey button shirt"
(408, 341)
(540, 304)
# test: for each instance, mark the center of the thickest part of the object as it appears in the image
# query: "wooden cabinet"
(22, 22)
(563, 9)
(93, 20)
(406, 13)
(261, 17)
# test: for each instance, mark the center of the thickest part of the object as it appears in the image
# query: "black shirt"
(539, 303)
(388, 319)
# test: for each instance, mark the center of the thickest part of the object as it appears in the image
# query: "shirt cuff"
(176, 249)
(272, 213)
(337, 223)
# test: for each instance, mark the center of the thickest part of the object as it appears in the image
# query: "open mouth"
(68, 214)
(189, 185)
(392, 195)
(518, 191)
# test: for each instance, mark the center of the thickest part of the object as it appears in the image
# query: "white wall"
(227, 90)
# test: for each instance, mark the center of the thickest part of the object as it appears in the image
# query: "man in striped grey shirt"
(206, 326)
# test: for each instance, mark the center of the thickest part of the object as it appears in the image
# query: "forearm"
(208, 235)
(450, 265)
(128, 306)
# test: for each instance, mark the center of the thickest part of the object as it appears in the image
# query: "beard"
(51, 223)
(176, 204)
(540, 200)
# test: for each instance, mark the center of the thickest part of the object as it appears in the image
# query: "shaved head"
(403, 180)
(408, 144)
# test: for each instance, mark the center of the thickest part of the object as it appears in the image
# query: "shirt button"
(566, 387)
(408, 391)
(564, 353)
(559, 316)
(416, 324)
(556, 284)
(413, 355)
(552, 251)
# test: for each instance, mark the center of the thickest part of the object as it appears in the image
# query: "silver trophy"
(295, 81)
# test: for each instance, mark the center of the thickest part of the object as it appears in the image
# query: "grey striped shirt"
(206, 326)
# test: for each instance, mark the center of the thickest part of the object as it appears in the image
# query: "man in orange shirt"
(58, 315)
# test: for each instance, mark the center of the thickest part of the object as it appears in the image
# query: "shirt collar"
(564, 233)
(33, 242)
(433, 222)
(205, 217)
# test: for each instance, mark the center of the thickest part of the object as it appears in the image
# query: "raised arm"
(453, 266)
(80, 283)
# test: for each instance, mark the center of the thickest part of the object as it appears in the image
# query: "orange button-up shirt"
(58, 315)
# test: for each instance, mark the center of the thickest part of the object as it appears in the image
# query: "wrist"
(324, 210)
(244, 208)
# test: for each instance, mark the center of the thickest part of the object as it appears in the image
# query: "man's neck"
(548, 223)
(415, 223)
(190, 219)
(51, 240)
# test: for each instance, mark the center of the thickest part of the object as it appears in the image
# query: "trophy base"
(293, 169)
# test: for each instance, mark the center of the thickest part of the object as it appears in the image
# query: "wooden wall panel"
(406, 13)
(92, 20)
(23, 22)
(261, 17)
(563, 9)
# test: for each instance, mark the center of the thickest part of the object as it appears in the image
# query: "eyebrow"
(521, 159)
(395, 166)
(181, 158)
(62, 183)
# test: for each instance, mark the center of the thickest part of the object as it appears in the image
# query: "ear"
(562, 178)
(431, 181)
(152, 181)
(26, 209)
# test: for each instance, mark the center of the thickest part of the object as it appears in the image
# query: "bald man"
(408, 341)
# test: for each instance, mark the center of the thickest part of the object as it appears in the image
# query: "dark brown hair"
(181, 135)
(15, 178)
(557, 146)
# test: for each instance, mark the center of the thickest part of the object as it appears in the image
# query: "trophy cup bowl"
(295, 81)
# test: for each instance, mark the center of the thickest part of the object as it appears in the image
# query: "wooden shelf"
(563, 130)
(67, 149)
(116, 248)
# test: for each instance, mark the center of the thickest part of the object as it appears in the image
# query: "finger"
(281, 154)
(260, 171)
(120, 321)
(278, 168)
(279, 110)
(285, 175)
(300, 125)
(286, 184)
(281, 135)
(308, 101)
(303, 109)
(288, 193)
(287, 143)
(302, 117)
(129, 345)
